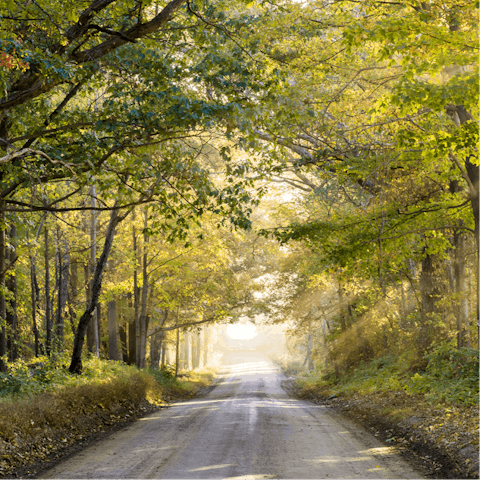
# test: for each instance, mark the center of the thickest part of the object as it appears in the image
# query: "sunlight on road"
(245, 428)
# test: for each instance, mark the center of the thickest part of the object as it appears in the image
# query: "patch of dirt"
(441, 438)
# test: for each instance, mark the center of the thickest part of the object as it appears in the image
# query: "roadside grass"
(44, 408)
(450, 377)
(185, 386)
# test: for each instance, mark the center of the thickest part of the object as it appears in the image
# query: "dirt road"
(247, 427)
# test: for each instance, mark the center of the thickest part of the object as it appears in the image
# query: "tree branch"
(174, 327)
(138, 31)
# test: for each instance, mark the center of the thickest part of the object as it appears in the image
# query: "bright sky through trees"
(242, 331)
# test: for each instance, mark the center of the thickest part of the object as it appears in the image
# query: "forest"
(167, 166)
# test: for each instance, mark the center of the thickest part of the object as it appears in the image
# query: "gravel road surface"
(246, 427)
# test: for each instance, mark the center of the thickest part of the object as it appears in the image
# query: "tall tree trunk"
(341, 302)
(48, 301)
(136, 316)
(76, 363)
(164, 354)
(3, 331)
(324, 325)
(430, 294)
(11, 313)
(155, 347)
(34, 298)
(143, 314)
(112, 330)
(308, 358)
(177, 352)
(188, 350)
(63, 274)
(196, 350)
(94, 340)
(98, 317)
(461, 293)
(132, 341)
(72, 294)
(88, 296)
(471, 174)
(201, 341)
(156, 342)
(122, 333)
(206, 340)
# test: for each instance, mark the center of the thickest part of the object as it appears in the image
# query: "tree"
(373, 123)
(108, 97)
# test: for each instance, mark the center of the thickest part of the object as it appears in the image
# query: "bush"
(26, 379)
(165, 375)
(451, 375)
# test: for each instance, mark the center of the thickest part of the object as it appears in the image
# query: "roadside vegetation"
(450, 376)
(45, 409)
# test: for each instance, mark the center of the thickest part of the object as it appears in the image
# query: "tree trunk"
(63, 274)
(430, 294)
(206, 340)
(11, 313)
(471, 174)
(196, 349)
(177, 352)
(461, 298)
(156, 342)
(88, 296)
(98, 317)
(132, 341)
(155, 347)
(48, 302)
(72, 295)
(3, 332)
(188, 350)
(136, 316)
(143, 314)
(34, 297)
(308, 358)
(94, 323)
(122, 333)
(164, 354)
(76, 363)
(324, 325)
(112, 330)
(341, 302)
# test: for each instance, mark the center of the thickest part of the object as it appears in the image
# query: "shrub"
(165, 375)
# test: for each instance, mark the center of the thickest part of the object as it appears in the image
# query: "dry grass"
(34, 428)
(37, 428)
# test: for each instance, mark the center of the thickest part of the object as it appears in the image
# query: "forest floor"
(26, 459)
(442, 438)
